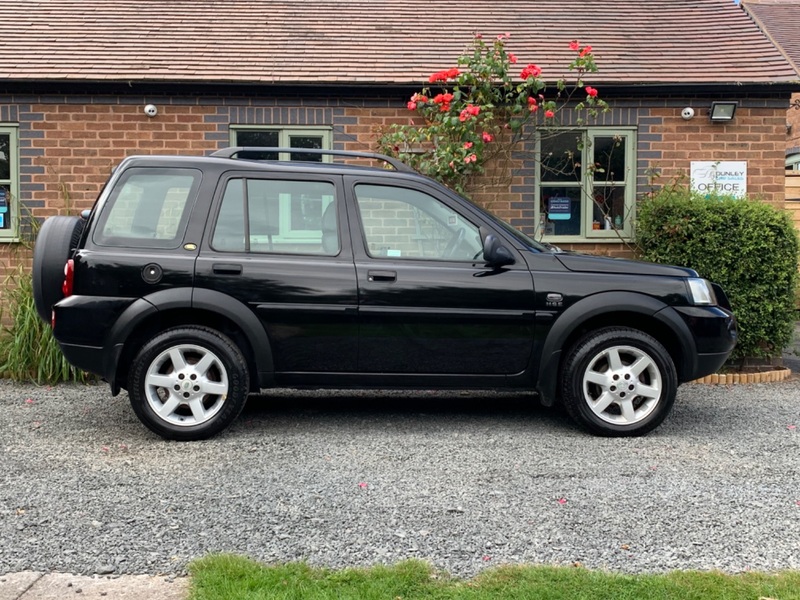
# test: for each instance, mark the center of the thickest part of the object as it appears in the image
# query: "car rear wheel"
(618, 381)
(54, 244)
(188, 383)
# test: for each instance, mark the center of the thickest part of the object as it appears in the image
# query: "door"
(427, 302)
(277, 247)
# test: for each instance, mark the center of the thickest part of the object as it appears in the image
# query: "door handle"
(381, 276)
(226, 269)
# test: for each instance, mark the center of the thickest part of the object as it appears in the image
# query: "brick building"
(780, 21)
(75, 76)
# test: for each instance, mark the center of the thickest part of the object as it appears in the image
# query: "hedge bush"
(748, 247)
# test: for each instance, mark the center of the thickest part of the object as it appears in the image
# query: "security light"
(722, 111)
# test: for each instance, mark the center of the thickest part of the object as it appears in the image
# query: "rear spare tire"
(54, 244)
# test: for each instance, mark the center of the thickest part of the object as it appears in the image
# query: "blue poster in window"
(3, 201)
(559, 208)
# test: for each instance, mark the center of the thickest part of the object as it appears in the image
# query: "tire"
(188, 383)
(54, 244)
(602, 360)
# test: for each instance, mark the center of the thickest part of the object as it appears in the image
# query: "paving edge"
(738, 378)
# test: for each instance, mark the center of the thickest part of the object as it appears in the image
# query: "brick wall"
(69, 144)
(793, 126)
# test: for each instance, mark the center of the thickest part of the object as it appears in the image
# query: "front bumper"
(714, 331)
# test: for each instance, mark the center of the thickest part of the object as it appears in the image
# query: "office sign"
(724, 177)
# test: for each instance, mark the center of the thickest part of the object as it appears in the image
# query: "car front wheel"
(618, 381)
(188, 383)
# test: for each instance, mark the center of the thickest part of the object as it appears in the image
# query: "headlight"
(701, 292)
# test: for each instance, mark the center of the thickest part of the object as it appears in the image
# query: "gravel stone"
(464, 480)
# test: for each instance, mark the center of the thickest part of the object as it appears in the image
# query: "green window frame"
(286, 137)
(586, 185)
(9, 182)
(283, 137)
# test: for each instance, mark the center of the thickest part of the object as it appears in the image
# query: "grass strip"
(221, 577)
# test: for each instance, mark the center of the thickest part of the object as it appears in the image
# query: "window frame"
(284, 141)
(285, 134)
(11, 233)
(586, 184)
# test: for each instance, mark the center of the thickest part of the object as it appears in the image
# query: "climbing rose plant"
(483, 108)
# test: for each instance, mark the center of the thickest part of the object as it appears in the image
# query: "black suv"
(197, 280)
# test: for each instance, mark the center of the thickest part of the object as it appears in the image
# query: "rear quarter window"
(148, 208)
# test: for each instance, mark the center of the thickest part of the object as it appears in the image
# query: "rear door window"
(278, 216)
(148, 208)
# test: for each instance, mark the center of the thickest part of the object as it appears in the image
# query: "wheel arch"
(171, 308)
(626, 309)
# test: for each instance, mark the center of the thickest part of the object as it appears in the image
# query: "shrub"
(748, 247)
(28, 351)
(485, 108)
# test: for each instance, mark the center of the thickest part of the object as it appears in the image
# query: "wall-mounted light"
(721, 112)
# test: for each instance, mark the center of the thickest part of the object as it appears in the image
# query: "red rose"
(591, 91)
(530, 71)
(549, 114)
(574, 45)
(439, 76)
(487, 137)
(586, 50)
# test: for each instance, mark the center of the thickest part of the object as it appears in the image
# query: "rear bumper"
(86, 358)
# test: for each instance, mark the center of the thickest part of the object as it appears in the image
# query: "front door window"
(409, 224)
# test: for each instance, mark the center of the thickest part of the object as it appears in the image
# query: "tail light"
(69, 274)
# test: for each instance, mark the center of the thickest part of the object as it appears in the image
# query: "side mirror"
(494, 253)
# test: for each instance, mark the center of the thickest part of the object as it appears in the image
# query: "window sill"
(556, 240)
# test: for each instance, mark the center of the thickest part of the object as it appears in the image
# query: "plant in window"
(481, 111)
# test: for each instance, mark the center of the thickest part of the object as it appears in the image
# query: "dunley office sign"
(728, 178)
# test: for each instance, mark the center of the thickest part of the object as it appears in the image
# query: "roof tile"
(780, 20)
(378, 41)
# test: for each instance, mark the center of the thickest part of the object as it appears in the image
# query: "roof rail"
(394, 162)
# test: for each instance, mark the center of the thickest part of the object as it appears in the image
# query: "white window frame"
(587, 184)
(11, 234)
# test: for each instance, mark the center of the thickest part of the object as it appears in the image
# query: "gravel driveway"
(462, 480)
